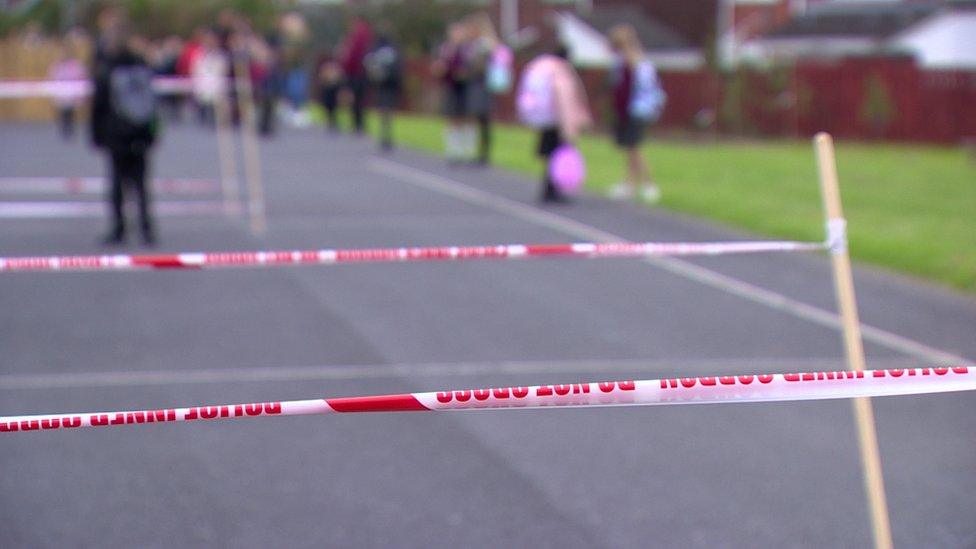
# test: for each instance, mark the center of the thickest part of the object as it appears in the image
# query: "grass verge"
(910, 208)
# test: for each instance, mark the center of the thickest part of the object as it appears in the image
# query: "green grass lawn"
(910, 208)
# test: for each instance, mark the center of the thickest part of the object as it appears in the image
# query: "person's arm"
(438, 67)
(99, 105)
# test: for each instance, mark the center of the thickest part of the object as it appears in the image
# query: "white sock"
(451, 142)
(470, 141)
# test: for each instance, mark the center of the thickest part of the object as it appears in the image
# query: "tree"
(878, 107)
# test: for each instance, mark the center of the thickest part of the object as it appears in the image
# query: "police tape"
(686, 390)
(76, 89)
(98, 185)
(392, 255)
(50, 209)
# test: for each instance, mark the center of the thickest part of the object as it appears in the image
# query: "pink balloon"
(567, 169)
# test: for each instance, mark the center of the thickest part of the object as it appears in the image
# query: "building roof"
(653, 34)
(694, 20)
(589, 47)
(873, 20)
(943, 41)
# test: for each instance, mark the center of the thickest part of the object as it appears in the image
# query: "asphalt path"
(784, 474)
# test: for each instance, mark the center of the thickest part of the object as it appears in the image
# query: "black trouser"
(206, 114)
(386, 127)
(129, 171)
(266, 116)
(357, 86)
(329, 98)
(549, 140)
(484, 142)
(385, 99)
(172, 107)
(66, 116)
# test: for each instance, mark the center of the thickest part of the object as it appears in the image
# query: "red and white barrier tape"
(689, 390)
(49, 209)
(70, 89)
(96, 185)
(444, 253)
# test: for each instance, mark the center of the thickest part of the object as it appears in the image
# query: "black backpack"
(131, 96)
(383, 65)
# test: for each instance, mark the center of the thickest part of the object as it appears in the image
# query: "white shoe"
(621, 191)
(303, 119)
(650, 194)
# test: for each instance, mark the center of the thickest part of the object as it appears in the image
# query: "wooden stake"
(252, 159)
(229, 182)
(853, 347)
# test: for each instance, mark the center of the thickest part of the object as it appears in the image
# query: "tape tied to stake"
(669, 391)
(837, 236)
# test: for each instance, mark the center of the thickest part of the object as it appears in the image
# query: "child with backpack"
(384, 67)
(638, 100)
(329, 83)
(452, 67)
(552, 100)
(491, 75)
(123, 123)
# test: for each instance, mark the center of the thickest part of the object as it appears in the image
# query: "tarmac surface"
(747, 475)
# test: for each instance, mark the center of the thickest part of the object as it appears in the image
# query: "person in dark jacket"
(352, 54)
(123, 124)
(329, 83)
(385, 69)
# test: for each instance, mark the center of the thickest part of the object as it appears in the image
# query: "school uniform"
(126, 143)
(628, 131)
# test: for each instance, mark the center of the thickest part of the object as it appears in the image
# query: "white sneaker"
(303, 119)
(650, 194)
(621, 191)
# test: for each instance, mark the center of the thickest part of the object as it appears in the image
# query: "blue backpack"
(647, 97)
(499, 72)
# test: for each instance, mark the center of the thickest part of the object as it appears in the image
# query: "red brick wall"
(929, 106)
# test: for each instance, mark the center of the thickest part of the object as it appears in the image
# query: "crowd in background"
(286, 74)
(474, 66)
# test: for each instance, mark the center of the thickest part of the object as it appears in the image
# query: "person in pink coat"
(552, 100)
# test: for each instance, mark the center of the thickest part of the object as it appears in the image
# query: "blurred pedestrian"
(293, 36)
(384, 66)
(272, 86)
(108, 22)
(228, 21)
(490, 63)
(191, 50)
(124, 124)
(69, 72)
(638, 100)
(352, 55)
(329, 83)
(263, 60)
(451, 66)
(164, 63)
(552, 100)
(209, 72)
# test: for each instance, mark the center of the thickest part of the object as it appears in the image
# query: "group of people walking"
(551, 99)
(365, 62)
(473, 66)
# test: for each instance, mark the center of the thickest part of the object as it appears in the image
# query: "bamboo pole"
(252, 159)
(229, 181)
(853, 346)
